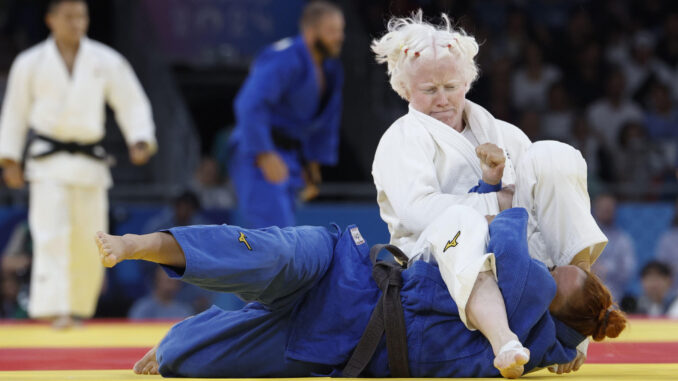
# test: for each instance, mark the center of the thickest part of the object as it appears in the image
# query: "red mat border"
(69, 358)
(124, 358)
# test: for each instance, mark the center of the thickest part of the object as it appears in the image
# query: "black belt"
(387, 317)
(94, 150)
(285, 142)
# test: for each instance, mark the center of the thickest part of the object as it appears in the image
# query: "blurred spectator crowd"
(599, 75)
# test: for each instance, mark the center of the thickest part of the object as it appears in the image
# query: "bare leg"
(148, 364)
(159, 248)
(486, 311)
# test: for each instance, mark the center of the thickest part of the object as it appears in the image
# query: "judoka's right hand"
(572, 366)
(13, 174)
(492, 162)
(273, 167)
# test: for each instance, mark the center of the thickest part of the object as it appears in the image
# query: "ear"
(405, 89)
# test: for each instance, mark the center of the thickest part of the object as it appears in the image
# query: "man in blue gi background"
(288, 115)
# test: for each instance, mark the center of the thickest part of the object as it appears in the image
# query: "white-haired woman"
(429, 160)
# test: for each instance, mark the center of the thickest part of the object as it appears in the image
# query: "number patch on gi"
(357, 237)
(243, 239)
(453, 242)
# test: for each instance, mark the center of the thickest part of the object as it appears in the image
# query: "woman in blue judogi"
(288, 114)
(312, 295)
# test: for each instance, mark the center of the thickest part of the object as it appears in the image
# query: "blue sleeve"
(508, 242)
(323, 145)
(484, 187)
(268, 81)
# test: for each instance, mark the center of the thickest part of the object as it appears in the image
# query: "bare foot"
(62, 322)
(511, 359)
(148, 364)
(113, 249)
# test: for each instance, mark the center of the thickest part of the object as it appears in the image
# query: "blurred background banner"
(209, 32)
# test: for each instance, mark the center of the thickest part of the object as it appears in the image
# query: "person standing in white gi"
(428, 161)
(59, 89)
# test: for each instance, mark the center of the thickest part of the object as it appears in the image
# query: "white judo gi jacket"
(68, 201)
(423, 171)
(42, 95)
(423, 166)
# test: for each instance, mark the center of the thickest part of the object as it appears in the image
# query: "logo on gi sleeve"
(453, 242)
(357, 237)
(243, 239)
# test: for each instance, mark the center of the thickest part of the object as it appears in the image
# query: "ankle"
(130, 246)
(502, 340)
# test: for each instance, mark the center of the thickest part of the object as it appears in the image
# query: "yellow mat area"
(148, 334)
(112, 335)
(590, 372)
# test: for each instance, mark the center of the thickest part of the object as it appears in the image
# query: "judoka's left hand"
(572, 366)
(312, 178)
(492, 162)
(139, 153)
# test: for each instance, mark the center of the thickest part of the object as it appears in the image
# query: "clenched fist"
(492, 162)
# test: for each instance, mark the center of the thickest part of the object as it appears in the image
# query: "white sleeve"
(132, 108)
(516, 142)
(406, 174)
(15, 111)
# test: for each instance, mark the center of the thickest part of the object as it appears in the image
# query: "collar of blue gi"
(567, 335)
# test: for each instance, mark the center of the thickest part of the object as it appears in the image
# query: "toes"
(149, 367)
(109, 260)
(138, 367)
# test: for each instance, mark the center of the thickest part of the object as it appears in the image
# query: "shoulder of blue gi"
(272, 74)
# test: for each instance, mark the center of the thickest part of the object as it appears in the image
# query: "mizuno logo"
(243, 239)
(453, 242)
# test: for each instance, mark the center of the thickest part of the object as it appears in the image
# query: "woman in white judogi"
(428, 161)
(59, 88)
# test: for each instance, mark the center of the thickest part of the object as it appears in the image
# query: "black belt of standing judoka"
(285, 142)
(387, 317)
(94, 150)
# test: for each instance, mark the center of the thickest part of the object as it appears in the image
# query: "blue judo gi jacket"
(281, 96)
(331, 319)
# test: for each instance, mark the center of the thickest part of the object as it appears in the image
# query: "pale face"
(436, 88)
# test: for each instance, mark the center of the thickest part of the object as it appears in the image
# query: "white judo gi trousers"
(67, 276)
(551, 185)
